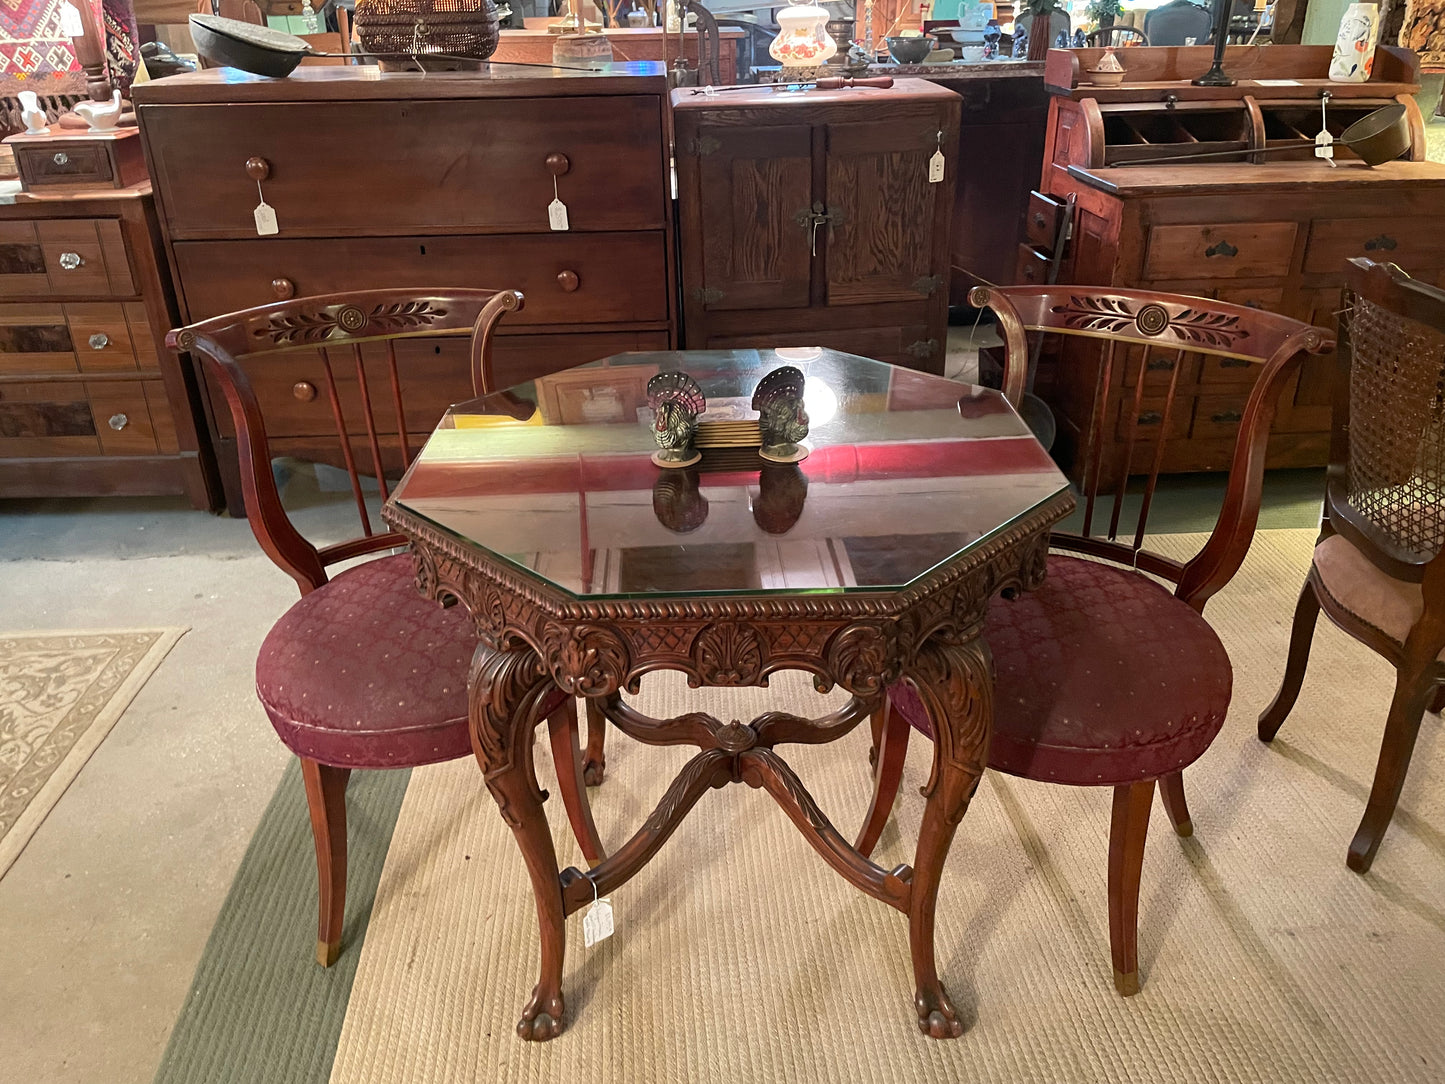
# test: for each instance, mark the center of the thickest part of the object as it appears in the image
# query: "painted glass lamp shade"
(803, 40)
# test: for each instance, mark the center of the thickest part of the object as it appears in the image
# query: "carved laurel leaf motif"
(1107, 314)
(309, 327)
(586, 660)
(728, 654)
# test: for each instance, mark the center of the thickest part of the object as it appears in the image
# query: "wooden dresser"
(1272, 232)
(89, 405)
(410, 180)
(808, 219)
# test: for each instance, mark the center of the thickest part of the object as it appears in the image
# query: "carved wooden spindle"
(90, 51)
(395, 375)
(1158, 463)
(346, 454)
(372, 440)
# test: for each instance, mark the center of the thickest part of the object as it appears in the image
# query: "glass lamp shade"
(803, 40)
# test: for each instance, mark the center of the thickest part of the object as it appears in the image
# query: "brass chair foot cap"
(1126, 984)
(326, 953)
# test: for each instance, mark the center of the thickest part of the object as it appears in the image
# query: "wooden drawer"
(1159, 368)
(1417, 245)
(22, 261)
(1151, 417)
(1041, 223)
(122, 413)
(75, 257)
(436, 373)
(1032, 268)
(102, 338)
(1217, 417)
(618, 277)
(1217, 370)
(35, 339)
(1267, 298)
(72, 164)
(1230, 250)
(614, 178)
(42, 419)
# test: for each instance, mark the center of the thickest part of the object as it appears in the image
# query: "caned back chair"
(362, 672)
(1377, 570)
(1102, 676)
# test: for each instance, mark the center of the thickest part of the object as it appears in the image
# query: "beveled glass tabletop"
(905, 471)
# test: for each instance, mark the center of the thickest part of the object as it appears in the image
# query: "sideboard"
(1269, 231)
(90, 405)
(416, 180)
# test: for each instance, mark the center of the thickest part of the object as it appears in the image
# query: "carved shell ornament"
(1107, 314)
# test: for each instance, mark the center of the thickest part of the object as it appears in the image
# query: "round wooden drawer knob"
(304, 390)
(557, 164)
(284, 289)
(568, 280)
(258, 169)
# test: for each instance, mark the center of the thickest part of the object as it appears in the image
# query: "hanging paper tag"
(557, 215)
(266, 220)
(935, 167)
(597, 923)
(70, 24)
(1324, 145)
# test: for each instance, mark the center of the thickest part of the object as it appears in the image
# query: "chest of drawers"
(89, 405)
(405, 180)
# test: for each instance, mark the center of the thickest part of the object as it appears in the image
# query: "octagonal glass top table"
(585, 566)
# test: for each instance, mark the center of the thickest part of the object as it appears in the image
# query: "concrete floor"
(105, 913)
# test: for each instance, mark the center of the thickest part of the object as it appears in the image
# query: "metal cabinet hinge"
(707, 294)
(923, 348)
(926, 284)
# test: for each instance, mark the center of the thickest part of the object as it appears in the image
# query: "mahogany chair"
(1104, 678)
(362, 672)
(1377, 571)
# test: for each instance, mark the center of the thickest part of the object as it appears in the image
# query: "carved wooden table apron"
(534, 637)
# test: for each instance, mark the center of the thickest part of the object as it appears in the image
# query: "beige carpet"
(60, 694)
(740, 957)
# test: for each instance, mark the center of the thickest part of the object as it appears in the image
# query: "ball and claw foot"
(936, 1016)
(541, 1019)
(593, 771)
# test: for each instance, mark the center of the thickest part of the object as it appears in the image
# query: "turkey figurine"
(676, 402)
(782, 419)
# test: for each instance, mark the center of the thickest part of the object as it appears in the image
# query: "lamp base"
(1214, 77)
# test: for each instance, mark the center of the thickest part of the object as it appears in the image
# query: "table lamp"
(1215, 76)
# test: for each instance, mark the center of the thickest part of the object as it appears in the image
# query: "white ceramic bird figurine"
(101, 115)
(32, 114)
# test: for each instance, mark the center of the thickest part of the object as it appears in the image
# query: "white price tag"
(935, 167)
(70, 24)
(266, 219)
(1324, 145)
(597, 923)
(557, 215)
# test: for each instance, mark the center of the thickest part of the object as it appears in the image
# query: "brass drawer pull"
(69, 261)
(1221, 248)
(1382, 243)
(1234, 363)
(61, 158)
(118, 422)
(568, 280)
(1149, 417)
(1160, 365)
(1225, 417)
(99, 341)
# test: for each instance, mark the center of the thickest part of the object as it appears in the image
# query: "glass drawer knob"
(70, 260)
(118, 422)
(99, 341)
(61, 158)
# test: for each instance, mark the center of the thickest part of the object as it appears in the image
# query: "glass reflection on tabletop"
(905, 471)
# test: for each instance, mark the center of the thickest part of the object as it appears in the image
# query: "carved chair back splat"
(354, 337)
(1379, 567)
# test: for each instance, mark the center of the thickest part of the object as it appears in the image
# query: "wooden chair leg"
(1401, 727)
(1171, 789)
(890, 730)
(1300, 638)
(326, 799)
(1437, 702)
(1127, 831)
(877, 723)
(594, 765)
(567, 756)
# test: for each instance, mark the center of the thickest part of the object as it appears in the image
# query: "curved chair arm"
(1015, 340)
(502, 302)
(1092, 38)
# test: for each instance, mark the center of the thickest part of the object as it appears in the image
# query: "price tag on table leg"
(597, 923)
(266, 219)
(935, 167)
(557, 215)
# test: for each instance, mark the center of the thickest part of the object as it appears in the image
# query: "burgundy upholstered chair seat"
(365, 673)
(1095, 657)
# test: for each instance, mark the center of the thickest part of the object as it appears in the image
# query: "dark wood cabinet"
(1269, 232)
(808, 218)
(90, 405)
(410, 180)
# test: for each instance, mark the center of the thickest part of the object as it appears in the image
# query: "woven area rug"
(60, 694)
(739, 956)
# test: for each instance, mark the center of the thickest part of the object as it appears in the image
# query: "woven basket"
(428, 28)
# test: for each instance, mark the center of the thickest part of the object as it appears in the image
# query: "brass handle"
(1226, 416)
(304, 390)
(1039, 220)
(61, 158)
(1233, 363)
(258, 169)
(1031, 272)
(1382, 243)
(1221, 248)
(557, 164)
(99, 341)
(283, 288)
(118, 422)
(70, 260)
(568, 280)
(1149, 417)
(1160, 365)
